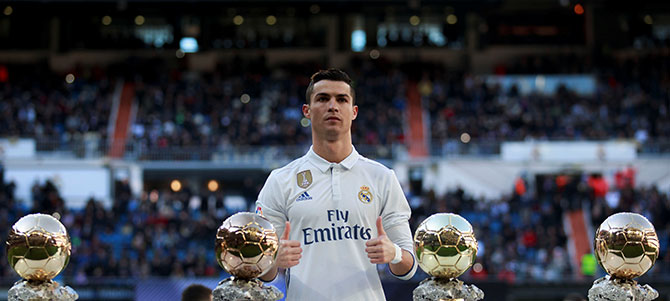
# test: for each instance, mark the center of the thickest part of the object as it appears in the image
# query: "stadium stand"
(200, 115)
(163, 233)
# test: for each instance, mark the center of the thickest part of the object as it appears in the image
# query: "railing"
(86, 147)
(91, 147)
(96, 148)
(456, 148)
(659, 147)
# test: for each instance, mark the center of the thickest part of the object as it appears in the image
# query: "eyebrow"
(338, 95)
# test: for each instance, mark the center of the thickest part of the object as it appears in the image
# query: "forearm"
(402, 236)
(403, 267)
(270, 275)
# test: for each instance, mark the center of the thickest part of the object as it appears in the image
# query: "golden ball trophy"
(445, 247)
(626, 246)
(246, 247)
(38, 249)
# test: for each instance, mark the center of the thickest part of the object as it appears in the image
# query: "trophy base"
(27, 290)
(614, 289)
(232, 289)
(434, 289)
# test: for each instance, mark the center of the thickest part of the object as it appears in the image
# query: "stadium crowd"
(630, 102)
(163, 233)
(170, 234)
(246, 103)
(136, 238)
(40, 105)
(259, 106)
(521, 235)
(243, 104)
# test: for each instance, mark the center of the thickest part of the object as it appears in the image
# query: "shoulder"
(284, 172)
(281, 180)
(375, 168)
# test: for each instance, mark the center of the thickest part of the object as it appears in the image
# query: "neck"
(333, 151)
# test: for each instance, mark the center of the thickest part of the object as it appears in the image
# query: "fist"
(380, 249)
(289, 252)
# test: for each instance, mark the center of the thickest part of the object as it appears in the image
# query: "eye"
(322, 98)
(342, 99)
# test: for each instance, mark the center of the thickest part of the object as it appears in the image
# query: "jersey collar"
(323, 165)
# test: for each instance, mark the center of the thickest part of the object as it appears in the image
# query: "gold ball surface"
(38, 247)
(246, 245)
(626, 245)
(445, 245)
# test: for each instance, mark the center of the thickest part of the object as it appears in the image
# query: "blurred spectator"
(598, 185)
(520, 186)
(196, 292)
(625, 178)
(574, 297)
(589, 264)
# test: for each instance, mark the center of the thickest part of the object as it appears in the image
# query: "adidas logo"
(304, 197)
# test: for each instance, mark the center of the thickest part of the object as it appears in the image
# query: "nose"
(332, 104)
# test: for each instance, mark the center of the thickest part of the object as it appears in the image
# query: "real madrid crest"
(365, 195)
(304, 178)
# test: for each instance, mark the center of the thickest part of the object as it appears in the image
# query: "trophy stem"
(26, 290)
(610, 288)
(236, 289)
(434, 289)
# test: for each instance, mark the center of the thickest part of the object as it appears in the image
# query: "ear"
(305, 111)
(355, 108)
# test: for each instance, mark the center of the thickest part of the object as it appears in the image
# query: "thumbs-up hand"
(380, 249)
(289, 252)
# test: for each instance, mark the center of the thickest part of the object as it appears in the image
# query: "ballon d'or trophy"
(626, 246)
(445, 247)
(38, 249)
(246, 247)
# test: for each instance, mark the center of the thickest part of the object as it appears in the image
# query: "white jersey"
(333, 208)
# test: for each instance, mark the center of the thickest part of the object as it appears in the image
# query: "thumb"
(380, 227)
(287, 230)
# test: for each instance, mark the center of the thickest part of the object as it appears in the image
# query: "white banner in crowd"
(17, 148)
(75, 184)
(568, 152)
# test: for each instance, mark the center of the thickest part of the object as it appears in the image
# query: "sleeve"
(401, 235)
(271, 205)
(395, 209)
(395, 218)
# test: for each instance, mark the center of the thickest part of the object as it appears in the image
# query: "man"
(338, 213)
(196, 292)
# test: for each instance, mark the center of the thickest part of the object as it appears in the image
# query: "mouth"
(332, 118)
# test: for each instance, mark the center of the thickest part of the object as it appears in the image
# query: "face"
(331, 110)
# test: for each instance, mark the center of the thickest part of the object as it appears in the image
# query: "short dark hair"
(196, 292)
(330, 74)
